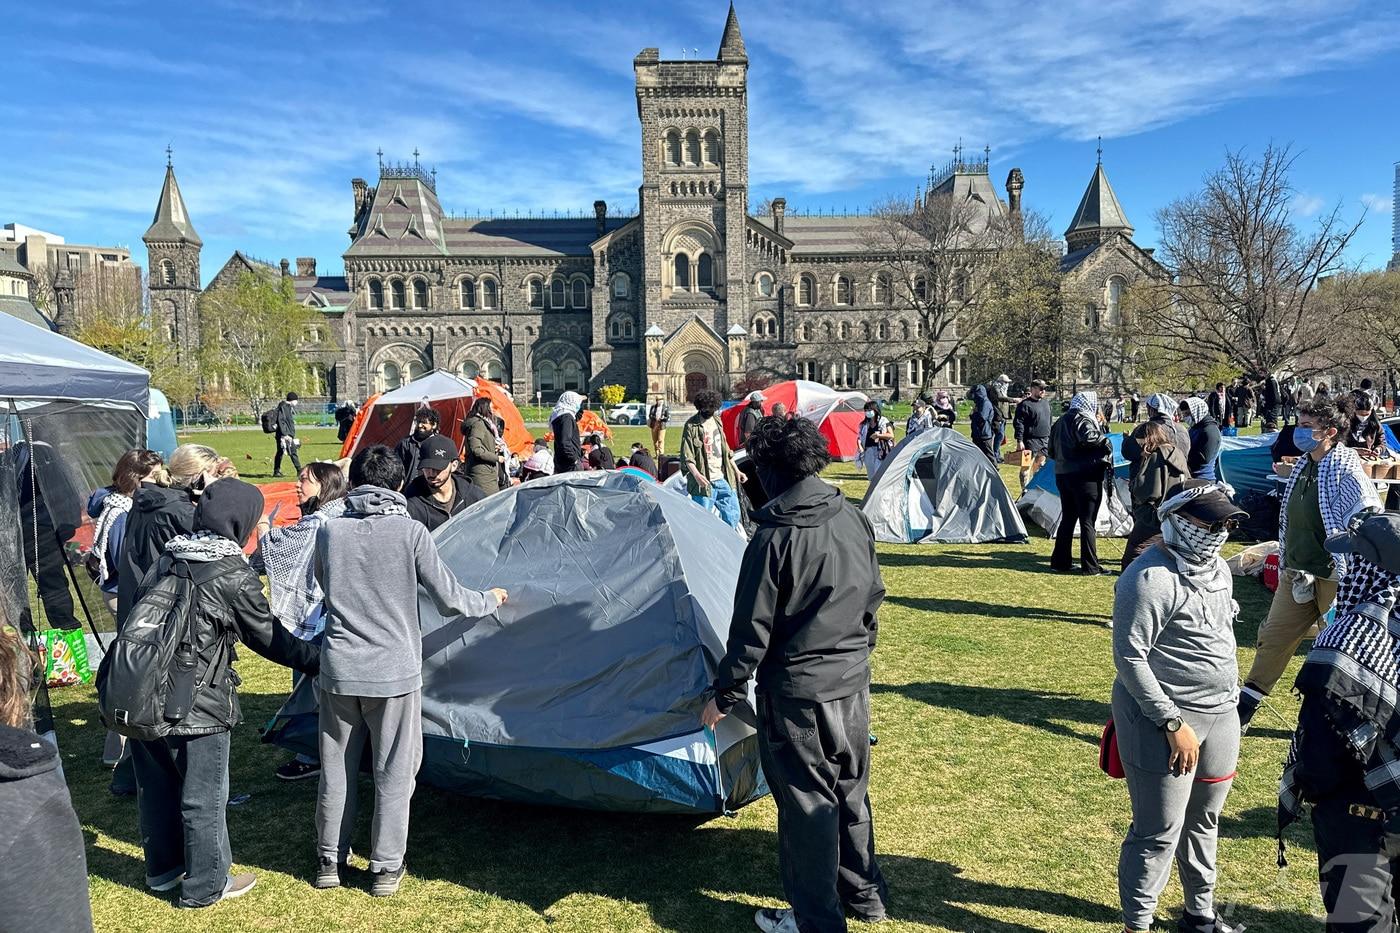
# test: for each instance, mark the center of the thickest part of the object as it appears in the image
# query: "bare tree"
(110, 313)
(1244, 276)
(1368, 340)
(949, 260)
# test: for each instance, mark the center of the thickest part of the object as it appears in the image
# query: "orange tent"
(388, 418)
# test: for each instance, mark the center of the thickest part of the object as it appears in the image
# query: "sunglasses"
(1224, 524)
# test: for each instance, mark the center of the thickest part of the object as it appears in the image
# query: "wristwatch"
(1172, 725)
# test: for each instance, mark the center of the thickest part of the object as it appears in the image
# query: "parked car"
(628, 413)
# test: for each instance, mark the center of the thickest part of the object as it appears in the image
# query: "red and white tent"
(837, 414)
(388, 418)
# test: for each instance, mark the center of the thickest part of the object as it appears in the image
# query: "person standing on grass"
(370, 564)
(563, 421)
(286, 434)
(1327, 486)
(1081, 452)
(998, 393)
(1342, 756)
(484, 447)
(182, 779)
(439, 491)
(1160, 465)
(750, 416)
(984, 415)
(710, 475)
(1161, 409)
(425, 425)
(875, 439)
(658, 416)
(1364, 431)
(1204, 432)
(805, 624)
(1174, 706)
(110, 508)
(919, 421)
(1031, 428)
(944, 411)
(1220, 404)
(284, 555)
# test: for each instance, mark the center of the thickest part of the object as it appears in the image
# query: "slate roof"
(813, 236)
(731, 44)
(22, 308)
(9, 266)
(172, 220)
(404, 219)
(1099, 208)
(330, 289)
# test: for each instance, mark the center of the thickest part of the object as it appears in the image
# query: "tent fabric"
(1247, 463)
(838, 414)
(584, 690)
(1041, 501)
(160, 425)
(936, 486)
(38, 364)
(387, 418)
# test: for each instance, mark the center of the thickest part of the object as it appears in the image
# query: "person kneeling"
(804, 621)
(182, 779)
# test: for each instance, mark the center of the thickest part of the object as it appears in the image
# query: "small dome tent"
(583, 691)
(836, 414)
(936, 486)
(1041, 501)
(388, 418)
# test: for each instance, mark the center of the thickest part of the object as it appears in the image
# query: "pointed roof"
(1099, 211)
(731, 44)
(172, 220)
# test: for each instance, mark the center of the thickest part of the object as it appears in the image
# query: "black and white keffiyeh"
(1343, 489)
(1087, 402)
(203, 546)
(113, 505)
(1193, 547)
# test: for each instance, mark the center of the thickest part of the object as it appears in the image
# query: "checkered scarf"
(1342, 490)
(1087, 402)
(113, 505)
(1354, 667)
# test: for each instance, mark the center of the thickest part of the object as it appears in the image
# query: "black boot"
(1250, 698)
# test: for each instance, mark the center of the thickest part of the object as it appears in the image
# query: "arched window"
(469, 369)
(376, 294)
(920, 288)
(571, 375)
(673, 147)
(918, 330)
(1113, 297)
(845, 331)
(682, 271)
(903, 330)
(580, 293)
(882, 289)
(843, 290)
(620, 285)
(396, 294)
(711, 148)
(765, 285)
(389, 376)
(705, 272)
(806, 290)
(826, 330)
(556, 292)
(536, 293)
(468, 294)
(882, 331)
(495, 371)
(692, 148)
(620, 328)
(806, 331)
(420, 293)
(1088, 367)
(488, 293)
(415, 370)
(167, 272)
(1091, 317)
(546, 376)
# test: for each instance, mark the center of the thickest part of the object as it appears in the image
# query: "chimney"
(1014, 183)
(779, 207)
(361, 189)
(600, 216)
(286, 268)
(306, 267)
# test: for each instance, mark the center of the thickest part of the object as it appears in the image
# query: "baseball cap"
(1201, 499)
(1376, 538)
(757, 396)
(436, 453)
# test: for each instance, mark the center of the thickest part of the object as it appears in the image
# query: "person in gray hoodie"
(370, 564)
(1174, 705)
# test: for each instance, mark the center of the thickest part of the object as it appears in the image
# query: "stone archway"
(699, 374)
(691, 360)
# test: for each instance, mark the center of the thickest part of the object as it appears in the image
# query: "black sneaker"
(386, 883)
(295, 770)
(329, 874)
(1190, 923)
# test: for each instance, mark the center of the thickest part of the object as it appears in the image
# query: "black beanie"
(230, 508)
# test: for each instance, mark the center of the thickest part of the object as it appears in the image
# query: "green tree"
(116, 320)
(250, 335)
(611, 396)
(1024, 333)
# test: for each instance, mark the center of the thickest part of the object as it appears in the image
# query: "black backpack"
(268, 419)
(147, 684)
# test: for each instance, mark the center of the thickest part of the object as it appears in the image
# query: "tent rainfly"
(388, 418)
(837, 414)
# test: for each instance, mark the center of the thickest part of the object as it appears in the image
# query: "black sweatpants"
(1080, 496)
(45, 560)
(1358, 882)
(286, 446)
(816, 758)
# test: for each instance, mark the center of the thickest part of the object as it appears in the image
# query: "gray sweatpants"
(1173, 815)
(394, 728)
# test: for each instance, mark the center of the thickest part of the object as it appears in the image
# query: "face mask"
(870, 414)
(1190, 541)
(1306, 441)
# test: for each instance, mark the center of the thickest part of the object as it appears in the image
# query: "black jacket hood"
(809, 503)
(152, 498)
(24, 754)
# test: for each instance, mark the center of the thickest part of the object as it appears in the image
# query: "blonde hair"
(189, 461)
(17, 670)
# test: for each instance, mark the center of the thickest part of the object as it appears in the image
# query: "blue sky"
(272, 106)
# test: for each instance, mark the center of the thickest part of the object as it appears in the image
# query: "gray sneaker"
(386, 883)
(773, 920)
(239, 885)
(329, 874)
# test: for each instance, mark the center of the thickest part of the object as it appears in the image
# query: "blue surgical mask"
(1305, 440)
(870, 414)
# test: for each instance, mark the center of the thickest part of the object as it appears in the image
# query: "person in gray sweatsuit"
(1174, 705)
(370, 564)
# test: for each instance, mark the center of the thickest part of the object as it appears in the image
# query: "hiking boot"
(772, 920)
(329, 873)
(1190, 923)
(1250, 699)
(296, 770)
(386, 883)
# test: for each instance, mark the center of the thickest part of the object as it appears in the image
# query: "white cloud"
(1378, 203)
(1307, 205)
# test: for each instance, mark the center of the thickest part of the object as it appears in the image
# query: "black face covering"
(419, 434)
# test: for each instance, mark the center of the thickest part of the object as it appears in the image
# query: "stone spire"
(1099, 215)
(172, 220)
(731, 44)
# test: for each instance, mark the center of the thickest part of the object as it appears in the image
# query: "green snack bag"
(65, 658)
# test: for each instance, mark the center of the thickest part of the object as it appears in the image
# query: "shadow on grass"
(1033, 708)
(1020, 561)
(996, 610)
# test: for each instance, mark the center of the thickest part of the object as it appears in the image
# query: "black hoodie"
(159, 514)
(43, 869)
(804, 606)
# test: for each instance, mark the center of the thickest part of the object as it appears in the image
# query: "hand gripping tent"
(584, 690)
(1041, 501)
(388, 418)
(837, 414)
(937, 487)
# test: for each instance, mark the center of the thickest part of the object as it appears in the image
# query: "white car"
(628, 413)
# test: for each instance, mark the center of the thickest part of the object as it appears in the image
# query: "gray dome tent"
(583, 691)
(937, 487)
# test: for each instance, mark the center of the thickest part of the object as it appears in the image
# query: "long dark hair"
(481, 408)
(333, 485)
(134, 466)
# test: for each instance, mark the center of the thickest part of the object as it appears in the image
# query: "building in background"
(1395, 222)
(67, 279)
(15, 282)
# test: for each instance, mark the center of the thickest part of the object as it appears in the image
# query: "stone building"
(62, 277)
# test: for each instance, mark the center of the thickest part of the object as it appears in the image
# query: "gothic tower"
(694, 205)
(172, 250)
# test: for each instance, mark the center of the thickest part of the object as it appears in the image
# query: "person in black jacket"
(1031, 428)
(1081, 453)
(563, 421)
(983, 418)
(750, 416)
(1204, 432)
(50, 513)
(804, 623)
(183, 778)
(43, 868)
(1221, 403)
(345, 419)
(425, 425)
(439, 491)
(286, 434)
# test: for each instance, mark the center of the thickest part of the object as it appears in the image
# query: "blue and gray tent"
(584, 690)
(1040, 502)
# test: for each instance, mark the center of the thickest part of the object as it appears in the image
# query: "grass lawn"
(992, 682)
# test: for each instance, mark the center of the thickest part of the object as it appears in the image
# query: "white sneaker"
(772, 920)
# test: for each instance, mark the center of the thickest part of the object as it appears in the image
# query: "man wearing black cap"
(287, 442)
(1344, 752)
(439, 491)
(1174, 705)
(1031, 426)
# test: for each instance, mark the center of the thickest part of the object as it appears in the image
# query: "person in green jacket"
(483, 444)
(707, 462)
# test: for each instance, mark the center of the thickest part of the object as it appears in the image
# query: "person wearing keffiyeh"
(1081, 453)
(563, 422)
(1345, 755)
(1204, 432)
